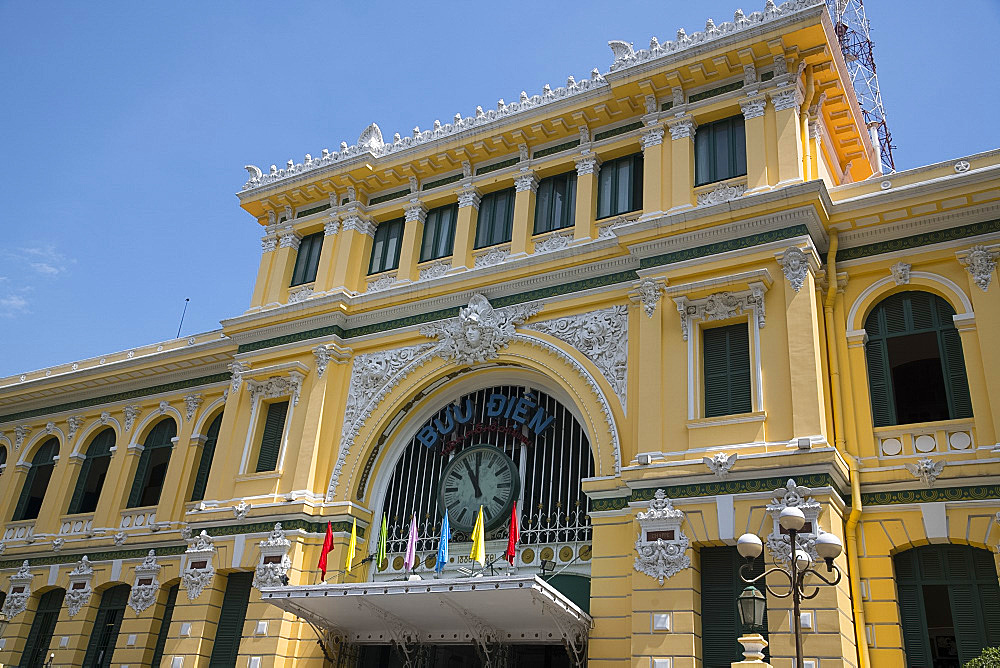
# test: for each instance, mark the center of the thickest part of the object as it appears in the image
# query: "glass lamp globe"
(791, 519)
(828, 546)
(802, 559)
(749, 546)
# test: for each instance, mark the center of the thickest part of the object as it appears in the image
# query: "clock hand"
(474, 479)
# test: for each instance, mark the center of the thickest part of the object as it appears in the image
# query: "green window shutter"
(386, 246)
(879, 383)
(495, 222)
(720, 150)
(989, 595)
(36, 648)
(270, 442)
(205, 464)
(3, 455)
(233, 614)
(726, 354)
(720, 620)
(164, 632)
(619, 186)
(141, 476)
(22, 501)
(911, 616)
(81, 484)
(104, 635)
(966, 615)
(439, 233)
(307, 259)
(159, 437)
(956, 382)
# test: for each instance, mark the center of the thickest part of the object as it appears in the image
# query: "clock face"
(478, 476)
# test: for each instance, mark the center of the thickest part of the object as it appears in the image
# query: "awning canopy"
(485, 611)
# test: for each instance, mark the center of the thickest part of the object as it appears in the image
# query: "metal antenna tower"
(853, 33)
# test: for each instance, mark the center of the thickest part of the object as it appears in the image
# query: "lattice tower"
(854, 35)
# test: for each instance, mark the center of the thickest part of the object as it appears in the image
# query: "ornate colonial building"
(654, 307)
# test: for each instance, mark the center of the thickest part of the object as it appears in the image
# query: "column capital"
(288, 238)
(682, 127)
(469, 197)
(652, 136)
(526, 181)
(358, 223)
(786, 97)
(415, 210)
(753, 106)
(587, 163)
(268, 243)
(331, 226)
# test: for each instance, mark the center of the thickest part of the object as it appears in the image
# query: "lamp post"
(750, 546)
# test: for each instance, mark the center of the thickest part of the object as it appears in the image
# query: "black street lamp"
(750, 546)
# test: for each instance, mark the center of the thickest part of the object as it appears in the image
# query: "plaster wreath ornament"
(78, 594)
(491, 257)
(720, 464)
(793, 495)
(143, 593)
(275, 562)
(435, 270)
(553, 242)
(602, 337)
(479, 332)
(381, 283)
(900, 273)
(199, 572)
(241, 510)
(981, 263)
(19, 593)
(926, 469)
(649, 292)
(661, 557)
(795, 266)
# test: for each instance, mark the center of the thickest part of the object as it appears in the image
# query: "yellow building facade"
(654, 307)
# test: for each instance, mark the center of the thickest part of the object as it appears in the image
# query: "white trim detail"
(889, 281)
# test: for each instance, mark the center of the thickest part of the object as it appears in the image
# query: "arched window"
(104, 635)
(37, 481)
(40, 636)
(3, 456)
(92, 473)
(153, 462)
(916, 370)
(205, 465)
(948, 603)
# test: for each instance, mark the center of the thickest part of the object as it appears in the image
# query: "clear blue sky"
(125, 126)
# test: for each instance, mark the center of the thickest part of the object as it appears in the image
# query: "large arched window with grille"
(949, 603)
(916, 370)
(464, 448)
(153, 462)
(93, 471)
(37, 481)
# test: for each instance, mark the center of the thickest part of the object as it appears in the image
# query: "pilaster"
(682, 129)
(647, 294)
(587, 165)
(525, 188)
(652, 169)
(413, 235)
(324, 273)
(465, 228)
(283, 264)
(804, 355)
(177, 483)
(753, 108)
(353, 250)
(787, 101)
(268, 246)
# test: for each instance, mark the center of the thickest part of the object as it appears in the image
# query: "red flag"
(514, 536)
(327, 548)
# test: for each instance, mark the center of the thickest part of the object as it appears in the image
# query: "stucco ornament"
(795, 266)
(981, 262)
(277, 386)
(793, 495)
(237, 369)
(78, 594)
(3, 547)
(199, 572)
(723, 305)
(241, 510)
(191, 404)
(274, 559)
(663, 554)
(383, 282)
(146, 585)
(132, 413)
(57, 544)
(491, 257)
(720, 464)
(435, 270)
(553, 242)
(120, 538)
(722, 193)
(74, 422)
(479, 332)
(330, 352)
(19, 593)
(21, 432)
(649, 293)
(602, 337)
(900, 273)
(926, 469)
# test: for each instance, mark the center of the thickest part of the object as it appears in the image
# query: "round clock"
(481, 475)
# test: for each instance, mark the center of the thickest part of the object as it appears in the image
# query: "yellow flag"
(352, 546)
(478, 540)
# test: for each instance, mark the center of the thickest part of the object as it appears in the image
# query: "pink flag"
(411, 546)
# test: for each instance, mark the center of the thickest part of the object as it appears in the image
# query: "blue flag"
(442, 556)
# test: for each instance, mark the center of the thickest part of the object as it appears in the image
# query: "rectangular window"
(270, 442)
(726, 352)
(307, 260)
(496, 218)
(233, 614)
(721, 584)
(555, 203)
(439, 232)
(619, 186)
(720, 150)
(386, 246)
